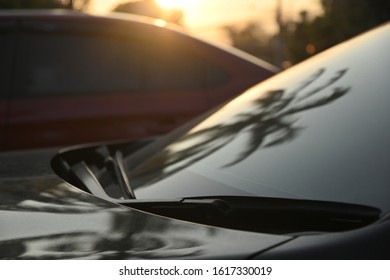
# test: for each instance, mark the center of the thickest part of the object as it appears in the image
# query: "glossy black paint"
(43, 217)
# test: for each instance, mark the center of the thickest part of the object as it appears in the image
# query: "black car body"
(294, 168)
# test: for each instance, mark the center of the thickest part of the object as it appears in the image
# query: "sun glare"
(172, 4)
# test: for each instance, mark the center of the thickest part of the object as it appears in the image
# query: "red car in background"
(69, 78)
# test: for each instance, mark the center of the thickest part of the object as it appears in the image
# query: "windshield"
(317, 131)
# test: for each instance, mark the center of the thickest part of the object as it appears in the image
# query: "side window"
(53, 63)
(216, 76)
(7, 33)
(173, 66)
(3, 79)
(59, 59)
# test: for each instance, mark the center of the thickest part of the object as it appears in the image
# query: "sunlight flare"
(173, 4)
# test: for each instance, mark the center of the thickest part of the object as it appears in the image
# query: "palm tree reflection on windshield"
(271, 121)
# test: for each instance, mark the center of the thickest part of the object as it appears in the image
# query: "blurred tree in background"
(44, 4)
(341, 20)
(251, 39)
(297, 40)
(150, 8)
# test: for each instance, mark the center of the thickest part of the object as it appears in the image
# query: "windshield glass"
(317, 131)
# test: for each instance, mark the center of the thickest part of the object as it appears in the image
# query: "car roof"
(130, 18)
(63, 13)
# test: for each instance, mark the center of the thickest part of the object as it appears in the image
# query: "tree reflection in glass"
(270, 120)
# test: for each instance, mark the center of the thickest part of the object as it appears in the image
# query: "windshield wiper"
(100, 171)
(262, 214)
(116, 166)
(91, 183)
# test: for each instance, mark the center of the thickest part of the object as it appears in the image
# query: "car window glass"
(170, 68)
(2, 64)
(6, 55)
(56, 63)
(175, 67)
(216, 75)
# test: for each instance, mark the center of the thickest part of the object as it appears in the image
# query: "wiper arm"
(101, 172)
(261, 214)
(115, 164)
(97, 174)
(97, 168)
(85, 175)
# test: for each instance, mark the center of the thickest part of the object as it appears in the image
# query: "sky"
(205, 18)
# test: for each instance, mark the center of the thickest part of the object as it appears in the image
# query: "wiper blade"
(262, 214)
(100, 171)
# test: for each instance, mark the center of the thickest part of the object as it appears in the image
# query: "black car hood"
(43, 217)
